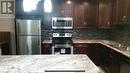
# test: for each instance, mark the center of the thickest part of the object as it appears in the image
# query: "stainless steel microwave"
(62, 23)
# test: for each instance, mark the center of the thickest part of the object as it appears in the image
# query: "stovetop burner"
(62, 38)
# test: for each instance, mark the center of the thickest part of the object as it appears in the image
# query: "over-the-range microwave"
(62, 23)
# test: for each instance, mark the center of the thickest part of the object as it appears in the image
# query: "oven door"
(62, 49)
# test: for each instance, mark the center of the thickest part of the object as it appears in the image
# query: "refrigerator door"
(28, 45)
(28, 27)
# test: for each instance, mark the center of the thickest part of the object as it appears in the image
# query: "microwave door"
(62, 23)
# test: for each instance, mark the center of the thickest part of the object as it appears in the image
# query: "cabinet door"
(128, 12)
(85, 15)
(94, 49)
(80, 49)
(105, 14)
(115, 62)
(106, 59)
(56, 9)
(122, 6)
(67, 9)
(114, 12)
(46, 49)
(79, 16)
(90, 15)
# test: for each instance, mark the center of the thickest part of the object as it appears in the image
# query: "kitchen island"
(47, 64)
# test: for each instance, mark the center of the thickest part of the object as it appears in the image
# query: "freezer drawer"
(28, 45)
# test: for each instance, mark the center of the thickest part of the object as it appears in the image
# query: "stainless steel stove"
(62, 43)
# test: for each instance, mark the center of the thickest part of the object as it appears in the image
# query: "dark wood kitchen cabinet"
(46, 48)
(125, 64)
(5, 43)
(81, 48)
(121, 11)
(79, 16)
(128, 11)
(122, 6)
(67, 9)
(82, 11)
(85, 15)
(92, 50)
(110, 60)
(62, 9)
(105, 59)
(105, 14)
(115, 62)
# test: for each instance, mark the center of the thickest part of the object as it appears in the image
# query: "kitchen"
(96, 28)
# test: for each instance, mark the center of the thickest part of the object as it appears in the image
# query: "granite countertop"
(47, 63)
(111, 44)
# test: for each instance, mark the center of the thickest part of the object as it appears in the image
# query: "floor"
(101, 70)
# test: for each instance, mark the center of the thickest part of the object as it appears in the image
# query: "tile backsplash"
(121, 35)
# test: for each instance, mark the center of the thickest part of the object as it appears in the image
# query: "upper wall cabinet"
(105, 14)
(67, 8)
(128, 11)
(121, 11)
(85, 14)
(62, 8)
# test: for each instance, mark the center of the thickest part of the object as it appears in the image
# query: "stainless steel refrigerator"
(28, 37)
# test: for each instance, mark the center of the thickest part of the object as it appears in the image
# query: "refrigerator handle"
(39, 36)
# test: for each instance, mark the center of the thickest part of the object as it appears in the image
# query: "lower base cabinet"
(46, 49)
(91, 50)
(115, 62)
(125, 65)
(101, 55)
(110, 60)
(5, 48)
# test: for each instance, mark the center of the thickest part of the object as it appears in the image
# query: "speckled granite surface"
(43, 63)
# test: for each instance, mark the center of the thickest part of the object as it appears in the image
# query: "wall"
(7, 25)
